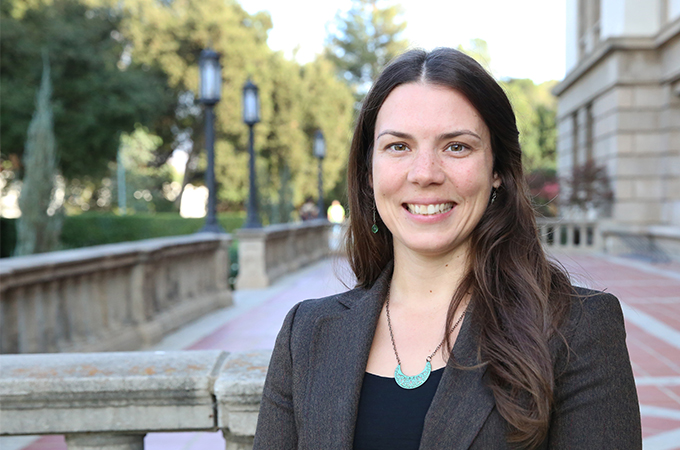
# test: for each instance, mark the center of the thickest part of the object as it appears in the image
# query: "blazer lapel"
(340, 347)
(462, 402)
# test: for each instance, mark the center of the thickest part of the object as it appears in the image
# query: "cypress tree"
(37, 229)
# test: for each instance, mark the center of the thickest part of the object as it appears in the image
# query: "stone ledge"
(108, 392)
(107, 396)
(238, 391)
(20, 269)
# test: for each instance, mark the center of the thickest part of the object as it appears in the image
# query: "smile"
(428, 210)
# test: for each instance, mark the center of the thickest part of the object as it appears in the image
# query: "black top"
(391, 417)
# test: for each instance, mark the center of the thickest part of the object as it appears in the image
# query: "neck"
(424, 281)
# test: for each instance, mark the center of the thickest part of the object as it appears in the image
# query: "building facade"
(619, 107)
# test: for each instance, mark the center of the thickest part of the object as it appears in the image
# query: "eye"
(398, 147)
(457, 147)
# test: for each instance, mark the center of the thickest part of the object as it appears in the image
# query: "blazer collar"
(340, 346)
(462, 402)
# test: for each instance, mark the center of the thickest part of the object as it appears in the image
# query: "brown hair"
(519, 297)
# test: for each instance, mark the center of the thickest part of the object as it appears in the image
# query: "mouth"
(429, 210)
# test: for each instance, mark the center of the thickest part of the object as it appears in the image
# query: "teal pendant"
(415, 381)
(374, 228)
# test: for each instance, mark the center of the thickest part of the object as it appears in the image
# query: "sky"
(526, 38)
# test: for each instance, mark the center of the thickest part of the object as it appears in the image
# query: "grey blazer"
(311, 393)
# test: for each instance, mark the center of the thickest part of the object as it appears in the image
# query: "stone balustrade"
(109, 401)
(657, 243)
(266, 254)
(111, 297)
(569, 235)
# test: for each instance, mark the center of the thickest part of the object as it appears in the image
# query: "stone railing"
(111, 297)
(109, 401)
(568, 235)
(266, 254)
(657, 243)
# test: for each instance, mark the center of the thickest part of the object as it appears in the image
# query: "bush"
(8, 237)
(90, 229)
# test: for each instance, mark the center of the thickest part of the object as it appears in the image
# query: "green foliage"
(535, 108)
(147, 187)
(295, 100)
(102, 228)
(96, 95)
(39, 225)
(365, 39)
(479, 50)
(8, 237)
(153, 46)
(90, 228)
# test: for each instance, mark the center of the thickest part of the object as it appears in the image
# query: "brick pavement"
(650, 297)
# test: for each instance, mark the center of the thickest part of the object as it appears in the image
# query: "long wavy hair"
(520, 299)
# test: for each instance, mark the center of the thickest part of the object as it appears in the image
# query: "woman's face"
(432, 168)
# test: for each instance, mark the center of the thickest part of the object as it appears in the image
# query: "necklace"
(405, 381)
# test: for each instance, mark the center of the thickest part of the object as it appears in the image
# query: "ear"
(496, 180)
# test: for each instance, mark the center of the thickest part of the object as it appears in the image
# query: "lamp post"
(209, 89)
(320, 153)
(251, 116)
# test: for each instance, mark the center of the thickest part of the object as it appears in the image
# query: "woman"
(459, 333)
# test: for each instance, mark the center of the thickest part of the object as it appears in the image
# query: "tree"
(364, 40)
(97, 91)
(535, 108)
(294, 100)
(39, 226)
(478, 49)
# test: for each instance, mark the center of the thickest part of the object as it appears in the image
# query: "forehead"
(426, 108)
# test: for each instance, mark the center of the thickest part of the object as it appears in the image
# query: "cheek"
(471, 181)
(383, 181)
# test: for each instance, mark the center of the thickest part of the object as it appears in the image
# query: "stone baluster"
(110, 297)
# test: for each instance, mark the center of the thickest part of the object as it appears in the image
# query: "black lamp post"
(251, 116)
(320, 152)
(209, 88)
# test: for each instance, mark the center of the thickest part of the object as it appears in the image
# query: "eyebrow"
(440, 137)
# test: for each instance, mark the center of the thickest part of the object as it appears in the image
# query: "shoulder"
(594, 328)
(591, 308)
(304, 314)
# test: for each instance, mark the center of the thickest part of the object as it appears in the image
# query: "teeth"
(427, 210)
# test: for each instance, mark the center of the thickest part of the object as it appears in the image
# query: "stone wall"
(111, 297)
(266, 254)
(111, 400)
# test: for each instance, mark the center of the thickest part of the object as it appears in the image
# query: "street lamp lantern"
(211, 77)
(320, 153)
(319, 145)
(251, 116)
(251, 104)
(209, 90)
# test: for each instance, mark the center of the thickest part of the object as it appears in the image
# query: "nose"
(426, 168)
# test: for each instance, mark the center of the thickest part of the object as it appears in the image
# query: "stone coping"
(19, 263)
(131, 392)
(662, 231)
(278, 229)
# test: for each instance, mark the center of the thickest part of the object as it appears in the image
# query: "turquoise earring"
(374, 228)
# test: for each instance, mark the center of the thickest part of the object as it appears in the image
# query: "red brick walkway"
(650, 297)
